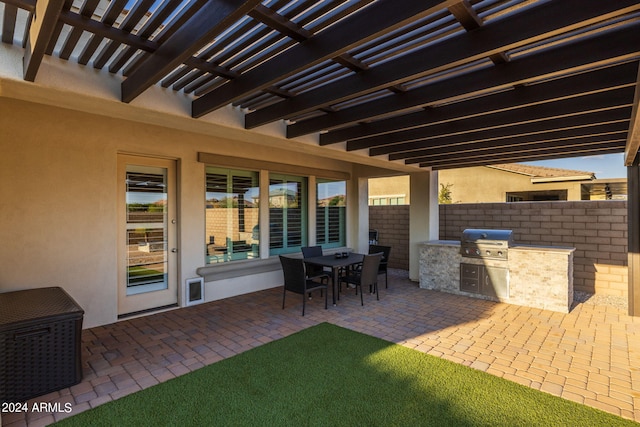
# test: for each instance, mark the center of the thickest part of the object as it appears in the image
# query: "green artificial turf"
(330, 376)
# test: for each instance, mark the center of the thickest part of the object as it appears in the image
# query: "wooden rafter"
(213, 18)
(521, 96)
(40, 35)
(539, 23)
(609, 46)
(534, 113)
(633, 139)
(381, 17)
(430, 83)
(523, 131)
(437, 150)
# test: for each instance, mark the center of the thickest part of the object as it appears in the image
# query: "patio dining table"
(335, 263)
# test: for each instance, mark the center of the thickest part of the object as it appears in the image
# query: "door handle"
(174, 250)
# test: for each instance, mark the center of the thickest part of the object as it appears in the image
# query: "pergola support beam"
(43, 23)
(212, 19)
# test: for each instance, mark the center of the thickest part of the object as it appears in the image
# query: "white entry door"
(147, 235)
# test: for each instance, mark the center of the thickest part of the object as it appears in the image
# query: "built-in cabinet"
(484, 280)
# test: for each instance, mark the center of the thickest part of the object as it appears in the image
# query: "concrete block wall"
(392, 223)
(597, 229)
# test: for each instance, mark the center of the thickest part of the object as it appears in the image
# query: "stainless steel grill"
(487, 244)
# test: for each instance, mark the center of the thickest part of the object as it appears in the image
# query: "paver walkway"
(590, 355)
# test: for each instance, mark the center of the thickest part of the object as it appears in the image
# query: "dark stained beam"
(469, 19)
(156, 20)
(280, 24)
(9, 23)
(633, 232)
(140, 8)
(497, 144)
(633, 139)
(40, 35)
(619, 43)
(530, 154)
(212, 19)
(168, 30)
(587, 150)
(511, 149)
(521, 96)
(28, 5)
(76, 32)
(294, 31)
(102, 31)
(465, 15)
(108, 19)
(379, 18)
(512, 132)
(541, 112)
(537, 23)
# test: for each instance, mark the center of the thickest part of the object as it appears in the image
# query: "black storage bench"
(40, 332)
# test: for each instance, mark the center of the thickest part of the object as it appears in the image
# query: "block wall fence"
(596, 229)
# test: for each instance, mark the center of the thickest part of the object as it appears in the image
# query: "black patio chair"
(386, 250)
(365, 276)
(296, 280)
(314, 271)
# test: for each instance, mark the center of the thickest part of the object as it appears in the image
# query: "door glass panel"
(146, 229)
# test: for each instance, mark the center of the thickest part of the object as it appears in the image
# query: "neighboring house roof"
(545, 174)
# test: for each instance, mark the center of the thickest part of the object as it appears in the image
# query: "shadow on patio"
(590, 355)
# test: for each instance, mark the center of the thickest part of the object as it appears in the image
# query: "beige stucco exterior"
(477, 185)
(484, 184)
(60, 140)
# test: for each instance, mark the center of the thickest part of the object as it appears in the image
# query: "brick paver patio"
(591, 355)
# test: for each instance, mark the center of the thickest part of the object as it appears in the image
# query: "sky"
(604, 166)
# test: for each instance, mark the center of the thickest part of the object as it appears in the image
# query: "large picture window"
(331, 208)
(287, 213)
(232, 212)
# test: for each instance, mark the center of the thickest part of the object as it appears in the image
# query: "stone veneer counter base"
(538, 276)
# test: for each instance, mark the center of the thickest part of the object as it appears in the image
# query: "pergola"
(424, 83)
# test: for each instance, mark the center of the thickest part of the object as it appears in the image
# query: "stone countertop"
(515, 247)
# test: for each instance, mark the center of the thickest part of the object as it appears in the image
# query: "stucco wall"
(483, 184)
(58, 198)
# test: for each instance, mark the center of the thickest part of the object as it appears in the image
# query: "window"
(331, 213)
(536, 196)
(287, 213)
(232, 212)
(387, 200)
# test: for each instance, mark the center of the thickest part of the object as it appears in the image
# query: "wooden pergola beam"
(633, 139)
(612, 46)
(40, 35)
(577, 152)
(380, 18)
(543, 113)
(600, 130)
(539, 23)
(546, 127)
(613, 139)
(212, 19)
(522, 96)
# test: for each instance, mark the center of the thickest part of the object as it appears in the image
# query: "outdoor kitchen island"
(531, 276)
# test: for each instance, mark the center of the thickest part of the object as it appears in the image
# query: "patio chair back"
(369, 272)
(386, 251)
(367, 275)
(310, 252)
(296, 280)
